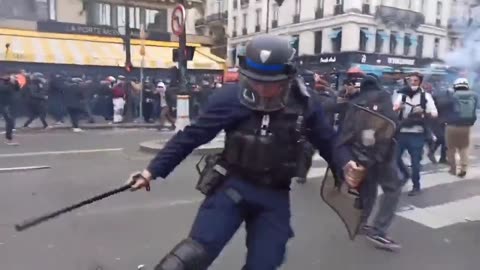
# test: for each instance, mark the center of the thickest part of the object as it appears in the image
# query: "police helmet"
(461, 84)
(266, 73)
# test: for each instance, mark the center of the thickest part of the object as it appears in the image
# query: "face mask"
(414, 88)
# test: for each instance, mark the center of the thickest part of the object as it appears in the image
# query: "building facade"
(91, 33)
(24, 14)
(214, 24)
(375, 32)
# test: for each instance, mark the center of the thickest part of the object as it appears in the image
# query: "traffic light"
(189, 52)
(129, 67)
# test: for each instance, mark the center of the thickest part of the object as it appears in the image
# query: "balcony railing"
(200, 23)
(296, 18)
(220, 17)
(274, 24)
(319, 13)
(366, 9)
(399, 17)
(338, 9)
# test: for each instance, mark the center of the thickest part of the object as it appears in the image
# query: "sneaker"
(383, 242)
(414, 192)
(432, 157)
(462, 174)
(77, 130)
(11, 143)
(443, 161)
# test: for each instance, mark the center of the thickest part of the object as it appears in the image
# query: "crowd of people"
(115, 99)
(427, 118)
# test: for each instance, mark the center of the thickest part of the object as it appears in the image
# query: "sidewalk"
(100, 123)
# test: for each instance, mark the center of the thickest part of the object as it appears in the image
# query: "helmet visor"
(264, 96)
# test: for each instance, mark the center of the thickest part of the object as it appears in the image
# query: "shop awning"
(53, 48)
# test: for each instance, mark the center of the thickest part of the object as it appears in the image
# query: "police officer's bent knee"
(267, 118)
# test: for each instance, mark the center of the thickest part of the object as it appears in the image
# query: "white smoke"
(466, 56)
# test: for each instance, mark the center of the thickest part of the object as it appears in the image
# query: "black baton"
(35, 221)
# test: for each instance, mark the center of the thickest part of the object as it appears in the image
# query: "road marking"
(60, 152)
(28, 168)
(447, 214)
(316, 172)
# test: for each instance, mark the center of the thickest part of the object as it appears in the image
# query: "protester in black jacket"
(37, 99)
(75, 101)
(8, 85)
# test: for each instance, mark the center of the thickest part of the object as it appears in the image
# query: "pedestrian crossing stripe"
(439, 216)
(436, 216)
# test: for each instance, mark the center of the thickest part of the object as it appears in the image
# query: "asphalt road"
(134, 229)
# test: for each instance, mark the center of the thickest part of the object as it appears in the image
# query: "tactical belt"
(262, 179)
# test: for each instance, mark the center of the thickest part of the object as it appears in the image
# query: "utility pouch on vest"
(212, 174)
(254, 153)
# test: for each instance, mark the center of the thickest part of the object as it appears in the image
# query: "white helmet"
(461, 83)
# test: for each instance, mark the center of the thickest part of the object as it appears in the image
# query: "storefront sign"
(401, 61)
(73, 28)
(81, 29)
(328, 59)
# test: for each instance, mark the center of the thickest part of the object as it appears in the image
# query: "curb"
(153, 147)
(88, 127)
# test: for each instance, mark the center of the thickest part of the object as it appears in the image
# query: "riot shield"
(344, 202)
(371, 138)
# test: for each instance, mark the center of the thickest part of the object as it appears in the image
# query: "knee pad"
(187, 255)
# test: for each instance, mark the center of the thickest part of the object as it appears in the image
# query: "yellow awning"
(53, 48)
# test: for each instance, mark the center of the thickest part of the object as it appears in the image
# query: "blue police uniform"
(266, 211)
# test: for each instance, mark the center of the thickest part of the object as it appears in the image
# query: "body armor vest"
(266, 146)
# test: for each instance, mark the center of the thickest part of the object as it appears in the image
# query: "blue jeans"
(413, 143)
(266, 213)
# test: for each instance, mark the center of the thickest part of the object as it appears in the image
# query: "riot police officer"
(267, 118)
(382, 172)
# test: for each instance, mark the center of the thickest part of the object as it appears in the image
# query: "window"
(422, 6)
(100, 14)
(135, 18)
(235, 4)
(393, 42)
(407, 42)
(318, 42)
(379, 41)
(410, 6)
(150, 16)
(339, 2)
(244, 25)
(453, 43)
(320, 4)
(436, 48)
(439, 9)
(297, 7)
(295, 41)
(234, 19)
(419, 51)
(258, 16)
(438, 21)
(363, 39)
(275, 12)
(52, 9)
(336, 38)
